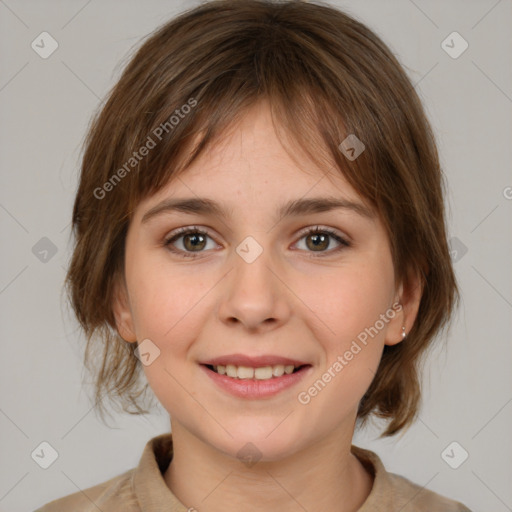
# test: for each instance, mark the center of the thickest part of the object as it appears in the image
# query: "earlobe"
(408, 298)
(396, 327)
(122, 312)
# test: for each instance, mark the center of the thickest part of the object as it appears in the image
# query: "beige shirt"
(143, 489)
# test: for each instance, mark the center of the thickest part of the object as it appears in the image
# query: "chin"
(266, 440)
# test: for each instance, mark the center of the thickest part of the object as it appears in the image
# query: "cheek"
(166, 304)
(349, 300)
(353, 305)
(163, 298)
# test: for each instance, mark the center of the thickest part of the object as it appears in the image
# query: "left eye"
(318, 240)
(194, 240)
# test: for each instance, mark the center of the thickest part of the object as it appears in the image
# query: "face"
(257, 291)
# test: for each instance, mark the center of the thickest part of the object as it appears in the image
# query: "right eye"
(193, 240)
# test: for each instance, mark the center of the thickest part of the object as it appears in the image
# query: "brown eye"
(187, 241)
(317, 241)
(194, 242)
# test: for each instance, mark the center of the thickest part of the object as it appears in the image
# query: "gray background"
(45, 107)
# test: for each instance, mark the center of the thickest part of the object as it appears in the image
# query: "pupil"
(318, 240)
(194, 240)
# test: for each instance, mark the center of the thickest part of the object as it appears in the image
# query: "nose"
(254, 295)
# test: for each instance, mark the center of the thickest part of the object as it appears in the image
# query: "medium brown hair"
(325, 76)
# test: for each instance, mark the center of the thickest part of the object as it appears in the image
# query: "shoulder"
(112, 495)
(414, 498)
(140, 488)
(395, 492)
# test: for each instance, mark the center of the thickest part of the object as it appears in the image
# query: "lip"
(253, 361)
(254, 389)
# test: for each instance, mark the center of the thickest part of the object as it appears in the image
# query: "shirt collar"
(148, 480)
(153, 494)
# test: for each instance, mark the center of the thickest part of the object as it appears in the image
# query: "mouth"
(255, 378)
(257, 373)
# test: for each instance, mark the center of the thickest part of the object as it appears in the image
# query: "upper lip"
(253, 361)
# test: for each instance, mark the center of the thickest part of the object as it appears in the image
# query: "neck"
(316, 479)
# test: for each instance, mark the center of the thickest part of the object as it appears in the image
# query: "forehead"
(251, 159)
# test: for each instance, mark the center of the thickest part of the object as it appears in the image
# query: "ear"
(122, 312)
(406, 305)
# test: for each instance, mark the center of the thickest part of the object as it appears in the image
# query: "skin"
(293, 301)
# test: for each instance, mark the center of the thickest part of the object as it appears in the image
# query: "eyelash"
(195, 230)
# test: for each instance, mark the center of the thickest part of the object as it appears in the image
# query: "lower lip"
(253, 388)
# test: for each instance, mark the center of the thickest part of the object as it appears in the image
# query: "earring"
(403, 333)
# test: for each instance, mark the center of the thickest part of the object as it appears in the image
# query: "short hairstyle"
(325, 76)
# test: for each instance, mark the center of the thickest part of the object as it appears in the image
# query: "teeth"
(278, 370)
(289, 369)
(262, 373)
(243, 372)
(231, 370)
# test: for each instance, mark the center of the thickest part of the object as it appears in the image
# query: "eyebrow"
(296, 207)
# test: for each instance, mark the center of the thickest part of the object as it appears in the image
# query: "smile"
(254, 380)
(260, 373)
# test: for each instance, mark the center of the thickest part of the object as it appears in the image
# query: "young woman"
(260, 230)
